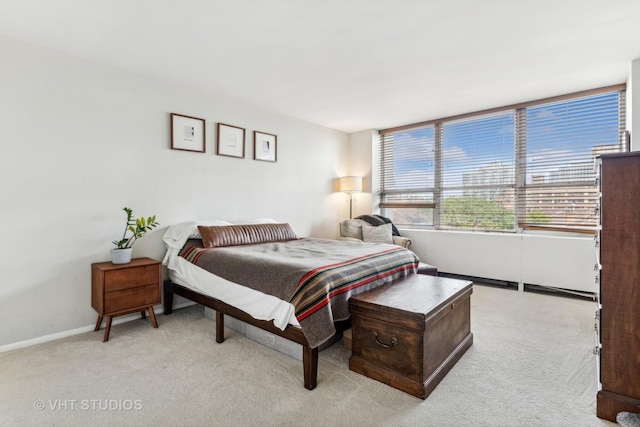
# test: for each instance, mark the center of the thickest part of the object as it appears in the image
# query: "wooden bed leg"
(168, 297)
(309, 355)
(219, 326)
(310, 362)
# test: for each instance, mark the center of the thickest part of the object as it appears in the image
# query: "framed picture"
(187, 133)
(265, 146)
(230, 141)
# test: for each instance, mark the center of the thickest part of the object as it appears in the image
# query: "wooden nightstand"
(118, 289)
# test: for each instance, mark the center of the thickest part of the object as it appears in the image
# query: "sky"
(554, 132)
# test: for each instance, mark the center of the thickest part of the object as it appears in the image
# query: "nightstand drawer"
(126, 299)
(131, 277)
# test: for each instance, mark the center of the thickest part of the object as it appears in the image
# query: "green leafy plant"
(137, 227)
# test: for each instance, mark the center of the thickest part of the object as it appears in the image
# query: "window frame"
(520, 186)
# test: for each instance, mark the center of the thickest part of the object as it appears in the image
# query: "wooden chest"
(410, 333)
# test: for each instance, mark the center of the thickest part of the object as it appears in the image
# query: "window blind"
(478, 173)
(529, 165)
(407, 170)
(559, 142)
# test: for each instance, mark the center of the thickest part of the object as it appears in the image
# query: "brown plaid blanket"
(316, 275)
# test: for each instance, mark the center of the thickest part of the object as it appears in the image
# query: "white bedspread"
(258, 304)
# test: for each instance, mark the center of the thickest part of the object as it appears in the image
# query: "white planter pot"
(121, 256)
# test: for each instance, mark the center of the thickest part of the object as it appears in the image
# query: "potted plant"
(121, 254)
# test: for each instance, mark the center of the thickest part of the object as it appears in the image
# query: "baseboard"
(527, 287)
(481, 280)
(58, 335)
(550, 290)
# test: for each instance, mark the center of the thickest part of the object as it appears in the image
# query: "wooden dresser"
(118, 289)
(619, 277)
(410, 333)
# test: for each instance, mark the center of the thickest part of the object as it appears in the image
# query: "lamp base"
(350, 206)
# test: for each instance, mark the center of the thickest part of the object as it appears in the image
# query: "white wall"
(558, 261)
(360, 164)
(80, 140)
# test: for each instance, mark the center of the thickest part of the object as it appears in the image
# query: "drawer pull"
(394, 341)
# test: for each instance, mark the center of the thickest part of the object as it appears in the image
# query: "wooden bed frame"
(309, 354)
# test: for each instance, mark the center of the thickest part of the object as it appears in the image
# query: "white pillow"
(377, 234)
(177, 234)
(351, 228)
(254, 221)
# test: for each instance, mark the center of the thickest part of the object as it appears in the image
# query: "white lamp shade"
(351, 184)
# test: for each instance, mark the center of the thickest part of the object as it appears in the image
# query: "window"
(558, 144)
(527, 166)
(478, 161)
(408, 176)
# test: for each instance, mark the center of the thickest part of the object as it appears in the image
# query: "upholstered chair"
(357, 229)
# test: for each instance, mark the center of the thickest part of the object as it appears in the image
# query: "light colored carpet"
(531, 364)
(628, 419)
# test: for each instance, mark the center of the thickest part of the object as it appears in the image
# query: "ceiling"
(349, 64)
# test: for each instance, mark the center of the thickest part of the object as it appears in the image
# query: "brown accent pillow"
(215, 236)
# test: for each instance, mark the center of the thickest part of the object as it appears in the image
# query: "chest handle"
(394, 341)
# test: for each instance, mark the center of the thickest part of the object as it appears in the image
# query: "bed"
(261, 273)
